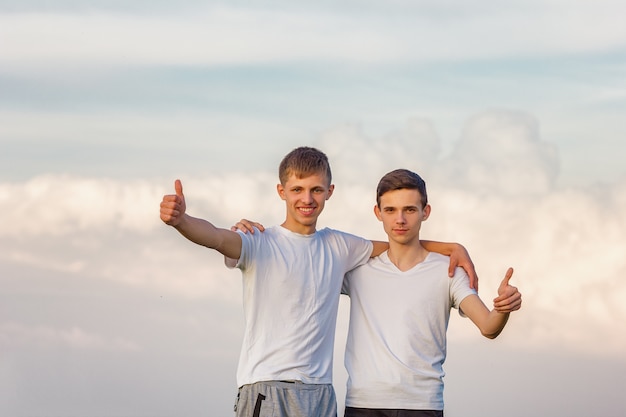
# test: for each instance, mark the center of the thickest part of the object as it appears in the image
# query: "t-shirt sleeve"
(459, 289)
(359, 250)
(248, 244)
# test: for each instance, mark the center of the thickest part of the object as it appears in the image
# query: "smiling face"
(402, 215)
(305, 199)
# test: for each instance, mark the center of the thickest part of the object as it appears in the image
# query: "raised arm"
(199, 231)
(492, 322)
(458, 257)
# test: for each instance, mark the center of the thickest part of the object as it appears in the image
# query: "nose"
(400, 219)
(307, 197)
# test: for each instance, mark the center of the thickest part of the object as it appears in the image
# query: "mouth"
(306, 211)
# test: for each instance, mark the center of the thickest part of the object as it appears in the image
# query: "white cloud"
(357, 159)
(58, 205)
(502, 152)
(219, 36)
(112, 230)
(567, 250)
(226, 35)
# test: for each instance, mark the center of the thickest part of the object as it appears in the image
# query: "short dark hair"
(401, 179)
(302, 162)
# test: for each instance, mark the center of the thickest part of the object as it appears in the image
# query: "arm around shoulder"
(378, 247)
(458, 257)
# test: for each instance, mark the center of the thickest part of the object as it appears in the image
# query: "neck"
(299, 228)
(405, 257)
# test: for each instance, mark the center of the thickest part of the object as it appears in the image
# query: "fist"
(509, 298)
(173, 206)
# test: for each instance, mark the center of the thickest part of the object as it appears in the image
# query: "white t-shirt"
(291, 288)
(397, 337)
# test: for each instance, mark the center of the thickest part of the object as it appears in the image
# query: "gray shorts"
(286, 399)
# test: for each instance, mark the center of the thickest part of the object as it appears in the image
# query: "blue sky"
(288, 71)
(514, 115)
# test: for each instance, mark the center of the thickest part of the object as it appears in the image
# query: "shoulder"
(366, 275)
(346, 242)
(270, 233)
(460, 284)
(437, 259)
(338, 234)
(374, 265)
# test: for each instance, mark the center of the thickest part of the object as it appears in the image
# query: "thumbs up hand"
(173, 206)
(509, 298)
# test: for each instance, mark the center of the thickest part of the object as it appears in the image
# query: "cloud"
(57, 205)
(362, 160)
(226, 35)
(501, 152)
(15, 335)
(110, 229)
(219, 36)
(60, 205)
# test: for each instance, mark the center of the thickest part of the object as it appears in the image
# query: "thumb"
(178, 186)
(507, 277)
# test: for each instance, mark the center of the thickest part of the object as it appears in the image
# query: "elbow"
(492, 328)
(491, 334)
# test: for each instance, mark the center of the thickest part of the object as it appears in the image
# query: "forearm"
(443, 248)
(198, 231)
(493, 324)
(204, 233)
(378, 247)
(489, 322)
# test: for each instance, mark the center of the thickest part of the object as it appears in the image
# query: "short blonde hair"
(302, 162)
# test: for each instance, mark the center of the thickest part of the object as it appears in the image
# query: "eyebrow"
(402, 208)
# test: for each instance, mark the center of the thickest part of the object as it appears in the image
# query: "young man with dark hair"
(400, 304)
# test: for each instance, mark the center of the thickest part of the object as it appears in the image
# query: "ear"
(281, 191)
(331, 188)
(426, 212)
(377, 212)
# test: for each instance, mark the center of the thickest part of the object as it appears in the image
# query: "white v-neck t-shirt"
(397, 336)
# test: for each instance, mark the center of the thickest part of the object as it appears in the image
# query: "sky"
(514, 114)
